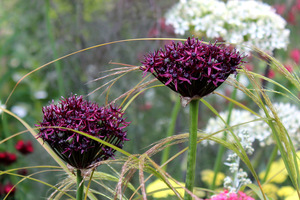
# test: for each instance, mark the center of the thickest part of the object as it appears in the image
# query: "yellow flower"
(286, 191)
(159, 189)
(207, 176)
(270, 190)
(293, 196)
(277, 173)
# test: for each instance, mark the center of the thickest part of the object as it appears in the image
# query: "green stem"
(6, 134)
(191, 160)
(221, 150)
(272, 158)
(57, 64)
(80, 186)
(170, 132)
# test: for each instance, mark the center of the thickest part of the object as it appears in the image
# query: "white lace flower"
(2, 106)
(241, 122)
(289, 115)
(247, 23)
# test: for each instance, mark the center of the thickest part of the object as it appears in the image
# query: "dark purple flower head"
(105, 123)
(192, 69)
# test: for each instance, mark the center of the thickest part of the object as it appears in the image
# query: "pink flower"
(280, 8)
(231, 196)
(271, 74)
(289, 67)
(297, 6)
(295, 55)
(291, 18)
(249, 67)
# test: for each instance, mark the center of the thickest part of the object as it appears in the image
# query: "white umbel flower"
(289, 115)
(2, 106)
(249, 23)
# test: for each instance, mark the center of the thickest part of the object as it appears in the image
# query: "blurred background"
(33, 33)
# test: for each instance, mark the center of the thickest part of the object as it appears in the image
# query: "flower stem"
(170, 132)
(80, 186)
(272, 158)
(191, 161)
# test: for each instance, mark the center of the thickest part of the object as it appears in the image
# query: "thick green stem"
(191, 161)
(80, 186)
(170, 132)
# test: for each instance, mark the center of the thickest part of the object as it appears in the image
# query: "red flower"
(2, 157)
(295, 55)
(24, 147)
(9, 188)
(7, 158)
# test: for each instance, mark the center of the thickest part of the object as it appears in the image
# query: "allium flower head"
(105, 123)
(193, 69)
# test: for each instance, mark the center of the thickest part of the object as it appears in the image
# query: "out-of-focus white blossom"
(289, 115)
(2, 106)
(237, 117)
(41, 94)
(246, 23)
(20, 110)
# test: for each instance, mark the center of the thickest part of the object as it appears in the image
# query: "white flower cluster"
(289, 115)
(2, 106)
(240, 178)
(247, 23)
(241, 122)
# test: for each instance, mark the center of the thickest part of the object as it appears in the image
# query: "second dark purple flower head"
(193, 69)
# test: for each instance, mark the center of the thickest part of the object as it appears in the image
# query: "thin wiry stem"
(82, 50)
